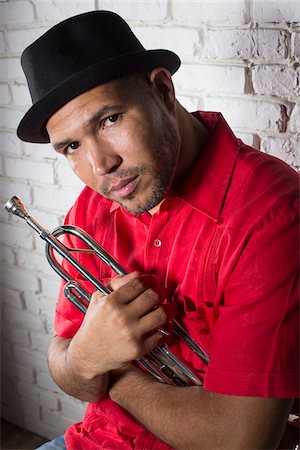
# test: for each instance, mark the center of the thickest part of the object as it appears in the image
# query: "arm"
(70, 376)
(192, 418)
(116, 330)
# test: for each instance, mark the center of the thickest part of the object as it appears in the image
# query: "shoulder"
(262, 186)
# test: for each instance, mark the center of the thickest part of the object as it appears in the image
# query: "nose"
(103, 160)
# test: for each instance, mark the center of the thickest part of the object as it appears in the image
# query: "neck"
(193, 137)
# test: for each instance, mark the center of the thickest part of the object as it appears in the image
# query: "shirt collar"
(205, 186)
(207, 183)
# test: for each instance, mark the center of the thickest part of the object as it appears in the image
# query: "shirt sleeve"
(255, 342)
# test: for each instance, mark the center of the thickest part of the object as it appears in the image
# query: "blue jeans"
(56, 444)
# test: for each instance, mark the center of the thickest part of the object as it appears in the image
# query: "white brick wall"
(239, 57)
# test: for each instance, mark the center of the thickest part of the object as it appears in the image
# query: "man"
(197, 218)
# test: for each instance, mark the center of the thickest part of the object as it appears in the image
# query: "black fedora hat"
(76, 55)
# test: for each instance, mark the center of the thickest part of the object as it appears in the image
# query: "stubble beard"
(165, 148)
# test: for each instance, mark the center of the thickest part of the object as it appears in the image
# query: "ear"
(161, 80)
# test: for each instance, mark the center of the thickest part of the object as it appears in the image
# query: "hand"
(122, 326)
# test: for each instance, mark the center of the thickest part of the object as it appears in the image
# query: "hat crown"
(76, 55)
(72, 46)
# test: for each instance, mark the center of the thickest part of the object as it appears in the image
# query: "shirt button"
(157, 242)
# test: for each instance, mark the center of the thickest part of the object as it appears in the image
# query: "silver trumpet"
(161, 362)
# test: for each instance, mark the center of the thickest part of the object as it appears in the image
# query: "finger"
(152, 341)
(118, 281)
(136, 286)
(170, 310)
(147, 301)
(152, 321)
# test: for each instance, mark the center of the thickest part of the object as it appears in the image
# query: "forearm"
(192, 418)
(169, 412)
(71, 376)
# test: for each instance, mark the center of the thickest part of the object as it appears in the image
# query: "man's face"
(120, 140)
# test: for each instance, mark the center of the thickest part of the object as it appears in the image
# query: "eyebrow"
(105, 111)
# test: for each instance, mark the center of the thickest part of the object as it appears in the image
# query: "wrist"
(78, 364)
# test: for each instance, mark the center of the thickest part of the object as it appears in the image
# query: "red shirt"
(226, 249)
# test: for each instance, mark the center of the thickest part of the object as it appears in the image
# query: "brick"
(48, 307)
(29, 408)
(24, 320)
(7, 256)
(189, 103)
(20, 372)
(199, 11)
(21, 95)
(12, 12)
(287, 149)
(13, 276)
(9, 118)
(11, 68)
(2, 44)
(56, 10)
(295, 119)
(48, 400)
(149, 11)
(183, 41)
(210, 78)
(17, 335)
(29, 170)
(56, 420)
(44, 381)
(16, 236)
(30, 358)
(50, 286)
(50, 326)
(247, 138)
(10, 143)
(12, 297)
(10, 188)
(45, 219)
(32, 303)
(28, 391)
(19, 39)
(279, 81)
(57, 199)
(72, 408)
(66, 177)
(275, 11)
(5, 94)
(39, 341)
(40, 150)
(36, 262)
(249, 114)
(295, 42)
(243, 44)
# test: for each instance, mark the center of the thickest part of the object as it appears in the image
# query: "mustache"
(119, 175)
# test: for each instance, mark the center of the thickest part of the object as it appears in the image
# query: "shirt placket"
(155, 243)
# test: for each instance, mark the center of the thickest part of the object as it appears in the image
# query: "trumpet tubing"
(162, 363)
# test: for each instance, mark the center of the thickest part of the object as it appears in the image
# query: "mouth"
(125, 187)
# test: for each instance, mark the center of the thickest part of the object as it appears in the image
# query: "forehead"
(107, 93)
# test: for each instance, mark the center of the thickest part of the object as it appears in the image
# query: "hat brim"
(32, 127)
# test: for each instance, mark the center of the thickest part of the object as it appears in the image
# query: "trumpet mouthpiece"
(15, 206)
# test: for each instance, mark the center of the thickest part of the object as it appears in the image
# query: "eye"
(109, 121)
(71, 148)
